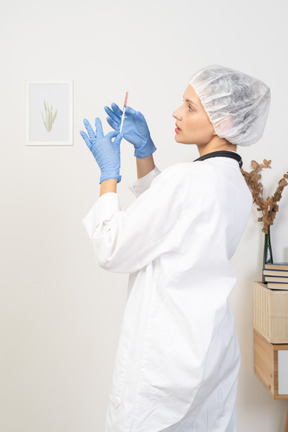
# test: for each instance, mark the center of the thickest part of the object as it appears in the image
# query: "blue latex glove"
(134, 129)
(105, 151)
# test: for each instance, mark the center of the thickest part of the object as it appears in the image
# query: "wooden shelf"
(266, 364)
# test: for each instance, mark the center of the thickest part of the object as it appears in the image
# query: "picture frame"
(49, 113)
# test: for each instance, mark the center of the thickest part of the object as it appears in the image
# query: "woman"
(178, 357)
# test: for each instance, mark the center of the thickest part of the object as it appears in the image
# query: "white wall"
(60, 314)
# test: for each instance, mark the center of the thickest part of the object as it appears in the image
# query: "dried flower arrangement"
(268, 207)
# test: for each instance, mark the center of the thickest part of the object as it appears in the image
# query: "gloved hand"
(134, 129)
(105, 151)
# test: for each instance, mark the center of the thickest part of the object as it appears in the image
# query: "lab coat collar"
(222, 153)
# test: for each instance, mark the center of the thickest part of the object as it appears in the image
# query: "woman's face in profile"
(192, 122)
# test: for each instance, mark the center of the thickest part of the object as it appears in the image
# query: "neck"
(216, 144)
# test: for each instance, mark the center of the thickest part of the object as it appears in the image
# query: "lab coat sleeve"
(139, 186)
(126, 241)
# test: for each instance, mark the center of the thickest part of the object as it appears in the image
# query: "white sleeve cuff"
(103, 209)
(142, 184)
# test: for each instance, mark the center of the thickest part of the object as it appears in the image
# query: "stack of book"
(276, 276)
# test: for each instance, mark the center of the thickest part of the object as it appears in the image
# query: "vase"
(267, 256)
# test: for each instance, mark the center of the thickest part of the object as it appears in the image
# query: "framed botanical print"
(49, 113)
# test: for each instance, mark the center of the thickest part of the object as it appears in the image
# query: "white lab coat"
(178, 356)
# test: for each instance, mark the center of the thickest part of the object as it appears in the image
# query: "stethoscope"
(224, 153)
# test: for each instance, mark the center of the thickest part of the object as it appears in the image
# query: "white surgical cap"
(237, 104)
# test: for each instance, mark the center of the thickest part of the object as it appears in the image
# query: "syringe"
(124, 109)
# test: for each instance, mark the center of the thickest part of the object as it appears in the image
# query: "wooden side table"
(271, 340)
(271, 367)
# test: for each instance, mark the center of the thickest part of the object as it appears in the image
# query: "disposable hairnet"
(237, 104)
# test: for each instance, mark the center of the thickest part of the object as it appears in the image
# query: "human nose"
(177, 114)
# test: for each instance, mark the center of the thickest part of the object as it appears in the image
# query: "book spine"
(275, 273)
(276, 279)
(278, 286)
(278, 266)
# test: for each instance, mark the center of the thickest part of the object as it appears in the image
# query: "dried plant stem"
(268, 207)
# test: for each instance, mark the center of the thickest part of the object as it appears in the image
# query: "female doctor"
(178, 356)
